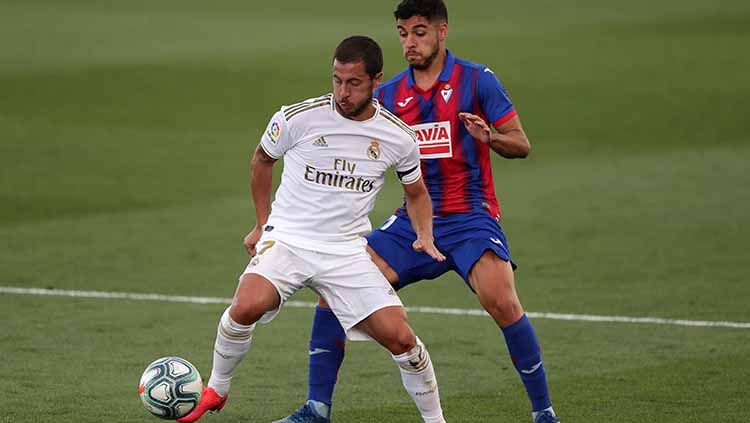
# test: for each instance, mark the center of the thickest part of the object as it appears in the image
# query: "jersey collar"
(445, 75)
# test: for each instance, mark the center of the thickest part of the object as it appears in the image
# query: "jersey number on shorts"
(266, 245)
(388, 223)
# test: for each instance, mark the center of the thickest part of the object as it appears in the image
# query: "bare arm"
(509, 141)
(419, 208)
(261, 183)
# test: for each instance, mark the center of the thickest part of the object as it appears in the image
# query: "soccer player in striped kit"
(451, 104)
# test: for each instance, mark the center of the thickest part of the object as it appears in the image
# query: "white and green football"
(170, 387)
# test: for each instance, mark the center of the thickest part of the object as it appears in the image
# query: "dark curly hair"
(431, 10)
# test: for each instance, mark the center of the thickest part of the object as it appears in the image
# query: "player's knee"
(246, 312)
(505, 311)
(400, 340)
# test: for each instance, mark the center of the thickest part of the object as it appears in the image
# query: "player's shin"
(524, 350)
(327, 342)
(419, 380)
(232, 344)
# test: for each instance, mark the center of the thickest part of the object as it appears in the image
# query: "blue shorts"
(462, 238)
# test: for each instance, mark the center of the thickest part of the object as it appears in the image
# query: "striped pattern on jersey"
(307, 105)
(463, 182)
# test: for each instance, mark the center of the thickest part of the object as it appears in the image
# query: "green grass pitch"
(125, 134)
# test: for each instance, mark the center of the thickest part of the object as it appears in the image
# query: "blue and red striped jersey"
(456, 166)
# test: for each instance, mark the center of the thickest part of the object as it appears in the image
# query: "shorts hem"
(268, 316)
(354, 334)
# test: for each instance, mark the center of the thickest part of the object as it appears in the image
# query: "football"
(170, 387)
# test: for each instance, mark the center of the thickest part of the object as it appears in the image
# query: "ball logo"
(373, 151)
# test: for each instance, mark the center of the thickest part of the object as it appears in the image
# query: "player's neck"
(426, 78)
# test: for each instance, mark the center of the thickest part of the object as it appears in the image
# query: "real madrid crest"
(373, 151)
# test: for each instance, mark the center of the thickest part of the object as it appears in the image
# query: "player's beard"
(358, 109)
(426, 62)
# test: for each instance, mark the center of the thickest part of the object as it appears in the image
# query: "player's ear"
(442, 27)
(377, 79)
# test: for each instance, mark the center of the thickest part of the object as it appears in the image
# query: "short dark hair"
(429, 9)
(359, 47)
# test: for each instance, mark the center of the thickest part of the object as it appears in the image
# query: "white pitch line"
(426, 310)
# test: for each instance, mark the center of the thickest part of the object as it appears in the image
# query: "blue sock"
(527, 357)
(327, 342)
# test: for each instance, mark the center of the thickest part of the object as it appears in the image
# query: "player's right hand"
(252, 239)
(428, 246)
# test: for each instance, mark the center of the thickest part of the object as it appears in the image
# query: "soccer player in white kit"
(336, 151)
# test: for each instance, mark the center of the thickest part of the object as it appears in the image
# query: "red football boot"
(210, 401)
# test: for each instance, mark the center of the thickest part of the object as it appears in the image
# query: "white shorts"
(352, 285)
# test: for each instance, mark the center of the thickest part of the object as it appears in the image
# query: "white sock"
(420, 382)
(232, 344)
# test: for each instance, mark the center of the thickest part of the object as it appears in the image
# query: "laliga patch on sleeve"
(274, 131)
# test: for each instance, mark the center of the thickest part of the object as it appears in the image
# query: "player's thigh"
(479, 250)
(270, 279)
(392, 245)
(383, 266)
(492, 279)
(353, 287)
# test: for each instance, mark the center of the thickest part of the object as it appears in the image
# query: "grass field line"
(426, 310)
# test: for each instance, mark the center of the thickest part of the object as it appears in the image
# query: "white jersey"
(333, 169)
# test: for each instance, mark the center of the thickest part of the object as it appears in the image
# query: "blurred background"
(125, 134)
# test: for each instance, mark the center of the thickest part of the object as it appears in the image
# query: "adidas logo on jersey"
(320, 142)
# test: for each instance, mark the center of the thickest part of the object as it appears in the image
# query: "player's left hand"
(422, 245)
(476, 126)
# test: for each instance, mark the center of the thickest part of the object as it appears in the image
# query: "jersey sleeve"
(407, 168)
(276, 140)
(493, 99)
